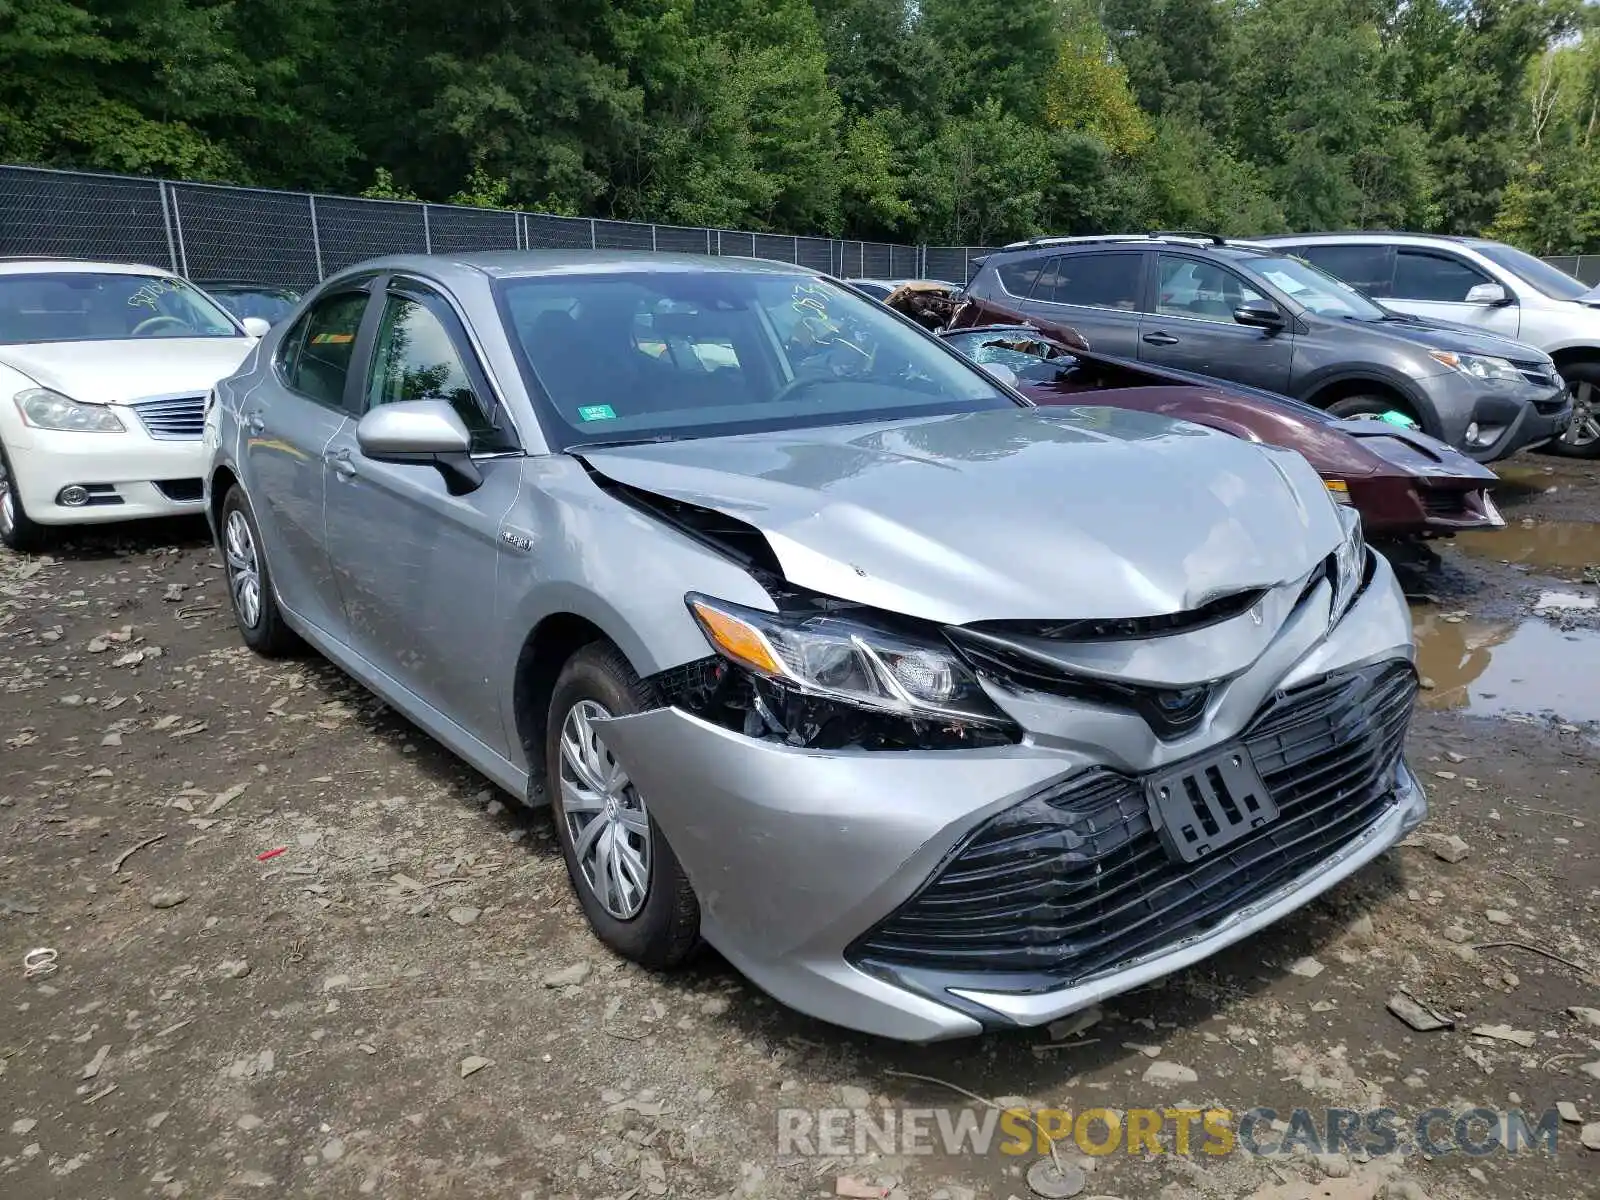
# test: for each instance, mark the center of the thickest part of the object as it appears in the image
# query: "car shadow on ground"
(129, 539)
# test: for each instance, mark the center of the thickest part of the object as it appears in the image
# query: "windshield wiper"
(616, 442)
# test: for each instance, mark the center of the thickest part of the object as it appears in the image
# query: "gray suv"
(1261, 317)
(1483, 285)
(931, 710)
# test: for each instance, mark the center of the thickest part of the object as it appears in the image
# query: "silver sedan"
(932, 711)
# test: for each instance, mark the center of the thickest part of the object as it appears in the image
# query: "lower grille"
(181, 490)
(1444, 504)
(1075, 881)
(173, 418)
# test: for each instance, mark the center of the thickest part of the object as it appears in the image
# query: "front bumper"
(1518, 416)
(799, 856)
(128, 475)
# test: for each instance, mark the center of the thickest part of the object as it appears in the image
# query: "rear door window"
(1018, 278)
(315, 359)
(1366, 267)
(1108, 280)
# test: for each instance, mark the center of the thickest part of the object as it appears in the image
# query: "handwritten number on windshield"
(149, 294)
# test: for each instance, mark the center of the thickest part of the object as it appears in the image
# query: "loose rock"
(1306, 968)
(463, 915)
(1568, 1111)
(167, 899)
(472, 1064)
(1585, 1016)
(1504, 1033)
(854, 1097)
(1169, 1072)
(569, 976)
(1589, 1135)
(235, 968)
(1496, 917)
(23, 1125)
(1416, 1014)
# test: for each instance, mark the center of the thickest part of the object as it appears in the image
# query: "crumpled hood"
(121, 371)
(1015, 514)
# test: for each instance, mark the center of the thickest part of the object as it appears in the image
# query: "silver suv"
(929, 709)
(1486, 285)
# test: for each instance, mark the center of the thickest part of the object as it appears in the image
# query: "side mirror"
(1000, 373)
(1492, 295)
(421, 431)
(256, 327)
(1259, 314)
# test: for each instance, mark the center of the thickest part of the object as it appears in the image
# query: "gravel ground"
(300, 950)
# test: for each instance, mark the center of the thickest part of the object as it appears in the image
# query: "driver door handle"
(254, 423)
(340, 461)
(1161, 339)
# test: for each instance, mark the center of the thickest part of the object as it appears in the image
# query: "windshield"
(1316, 290)
(80, 306)
(270, 304)
(680, 354)
(1033, 360)
(1556, 284)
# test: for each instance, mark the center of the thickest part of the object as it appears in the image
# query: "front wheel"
(632, 889)
(1371, 407)
(1581, 439)
(18, 531)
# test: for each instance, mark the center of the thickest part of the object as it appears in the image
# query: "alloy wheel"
(606, 820)
(8, 502)
(1585, 427)
(244, 574)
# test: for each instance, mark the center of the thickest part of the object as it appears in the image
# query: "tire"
(255, 609)
(18, 530)
(1581, 439)
(657, 926)
(1370, 406)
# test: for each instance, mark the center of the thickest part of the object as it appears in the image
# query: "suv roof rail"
(1214, 238)
(1077, 239)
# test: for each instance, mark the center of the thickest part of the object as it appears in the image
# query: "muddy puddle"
(1568, 547)
(1520, 666)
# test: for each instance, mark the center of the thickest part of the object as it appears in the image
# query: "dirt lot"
(226, 1021)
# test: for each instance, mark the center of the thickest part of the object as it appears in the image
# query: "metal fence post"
(427, 231)
(316, 237)
(183, 252)
(652, 237)
(719, 243)
(593, 242)
(708, 241)
(797, 251)
(166, 219)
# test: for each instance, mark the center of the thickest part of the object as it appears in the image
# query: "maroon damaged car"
(1401, 481)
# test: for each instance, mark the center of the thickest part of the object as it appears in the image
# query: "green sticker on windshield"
(596, 412)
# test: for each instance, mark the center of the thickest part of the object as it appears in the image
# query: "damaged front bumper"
(923, 895)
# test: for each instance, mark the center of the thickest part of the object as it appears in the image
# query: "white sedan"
(104, 373)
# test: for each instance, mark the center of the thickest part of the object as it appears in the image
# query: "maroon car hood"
(1329, 449)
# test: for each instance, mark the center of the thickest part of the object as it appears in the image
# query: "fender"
(1373, 374)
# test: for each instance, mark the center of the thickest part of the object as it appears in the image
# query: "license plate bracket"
(1207, 802)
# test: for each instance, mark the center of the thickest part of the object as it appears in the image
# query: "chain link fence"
(216, 232)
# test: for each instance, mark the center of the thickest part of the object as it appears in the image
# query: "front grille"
(173, 418)
(1170, 712)
(1551, 404)
(1444, 504)
(1537, 373)
(185, 491)
(1075, 881)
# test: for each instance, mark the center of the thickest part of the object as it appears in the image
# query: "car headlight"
(1349, 566)
(44, 409)
(848, 660)
(1496, 370)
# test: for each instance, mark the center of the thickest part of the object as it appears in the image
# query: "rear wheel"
(17, 530)
(255, 611)
(632, 889)
(1581, 439)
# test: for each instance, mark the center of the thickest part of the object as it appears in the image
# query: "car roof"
(525, 264)
(1135, 241)
(1371, 236)
(33, 265)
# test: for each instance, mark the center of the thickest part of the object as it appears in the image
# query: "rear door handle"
(254, 423)
(340, 461)
(1161, 339)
